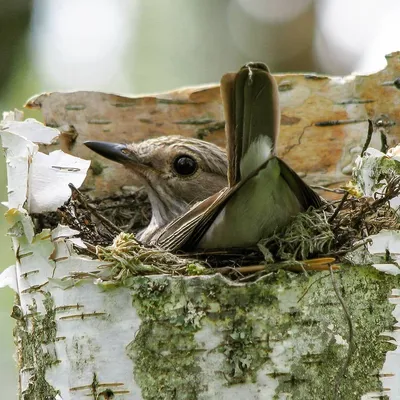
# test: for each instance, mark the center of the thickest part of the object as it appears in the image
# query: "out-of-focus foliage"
(14, 24)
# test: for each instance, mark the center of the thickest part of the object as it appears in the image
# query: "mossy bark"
(285, 336)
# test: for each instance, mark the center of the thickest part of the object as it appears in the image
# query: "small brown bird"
(263, 193)
(175, 171)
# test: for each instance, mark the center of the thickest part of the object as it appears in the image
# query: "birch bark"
(285, 336)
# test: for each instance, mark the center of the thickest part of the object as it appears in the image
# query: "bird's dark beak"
(113, 151)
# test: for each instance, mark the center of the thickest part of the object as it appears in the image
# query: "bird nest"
(107, 227)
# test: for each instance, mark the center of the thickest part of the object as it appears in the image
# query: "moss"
(164, 350)
(364, 291)
(32, 355)
(129, 258)
(96, 167)
(288, 327)
(197, 269)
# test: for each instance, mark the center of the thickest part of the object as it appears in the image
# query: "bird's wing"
(251, 109)
(187, 230)
(305, 195)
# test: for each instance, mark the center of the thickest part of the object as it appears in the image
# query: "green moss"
(364, 291)
(96, 167)
(164, 350)
(288, 327)
(197, 269)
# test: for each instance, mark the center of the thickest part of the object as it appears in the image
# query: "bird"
(175, 171)
(263, 193)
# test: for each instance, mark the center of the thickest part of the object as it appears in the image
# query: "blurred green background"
(137, 46)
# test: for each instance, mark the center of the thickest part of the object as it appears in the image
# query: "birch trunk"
(323, 335)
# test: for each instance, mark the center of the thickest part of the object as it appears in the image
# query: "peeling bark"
(324, 117)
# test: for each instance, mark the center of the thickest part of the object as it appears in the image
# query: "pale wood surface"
(323, 126)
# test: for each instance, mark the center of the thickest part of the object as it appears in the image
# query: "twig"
(339, 191)
(384, 145)
(82, 198)
(91, 248)
(392, 190)
(339, 207)
(242, 270)
(369, 137)
(252, 276)
(309, 287)
(322, 264)
(346, 250)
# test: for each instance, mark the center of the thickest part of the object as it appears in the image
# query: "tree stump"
(82, 334)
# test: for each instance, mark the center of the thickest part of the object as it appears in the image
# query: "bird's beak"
(113, 151)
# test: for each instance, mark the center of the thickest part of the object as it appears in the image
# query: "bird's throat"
(164, 206)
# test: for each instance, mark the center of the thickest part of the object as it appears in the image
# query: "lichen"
(128, 258)
(164, 350)
(373, 173)
(365, 293)
(288, 327)
(31, 333)
(309, 233)
(96, 167)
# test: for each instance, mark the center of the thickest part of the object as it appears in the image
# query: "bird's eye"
(185, 165)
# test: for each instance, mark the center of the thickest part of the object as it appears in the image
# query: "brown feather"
(228, 100)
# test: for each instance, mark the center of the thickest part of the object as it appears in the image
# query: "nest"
(107, 227)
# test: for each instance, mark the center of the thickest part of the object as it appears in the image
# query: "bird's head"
(175, 171)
